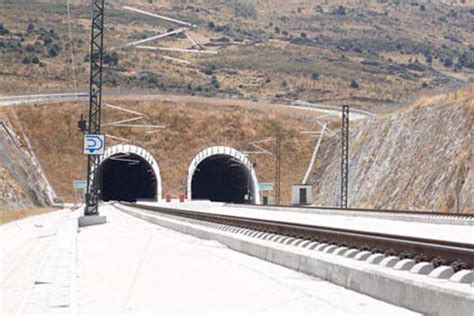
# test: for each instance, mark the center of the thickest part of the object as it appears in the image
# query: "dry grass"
(191, 125)
(13, 215)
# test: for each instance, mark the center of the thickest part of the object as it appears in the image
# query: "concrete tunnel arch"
(117, 171)
(222, 157)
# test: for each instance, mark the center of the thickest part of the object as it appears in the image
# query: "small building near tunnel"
(222, 174)
(129, 173)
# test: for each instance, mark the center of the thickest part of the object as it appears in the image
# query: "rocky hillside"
(22, 183)
(417, 159)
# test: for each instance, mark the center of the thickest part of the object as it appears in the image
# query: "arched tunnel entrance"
(222, 174)
(127, 177)
(129, 173)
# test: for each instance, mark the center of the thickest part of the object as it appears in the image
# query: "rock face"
(419, 159)
(22, 182)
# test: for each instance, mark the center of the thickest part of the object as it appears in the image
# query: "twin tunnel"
(219, 174)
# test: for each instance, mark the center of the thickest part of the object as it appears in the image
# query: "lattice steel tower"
(278, 168)
(345, 156)
(95, 103)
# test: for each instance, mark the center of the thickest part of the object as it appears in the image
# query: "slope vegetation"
(371, 53)
(420, 158)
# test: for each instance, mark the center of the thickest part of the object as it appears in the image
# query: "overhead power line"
(159, 16)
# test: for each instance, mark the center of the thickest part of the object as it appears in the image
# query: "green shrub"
(215, 82)
(3, 30)
(53, 51)
(448, 62)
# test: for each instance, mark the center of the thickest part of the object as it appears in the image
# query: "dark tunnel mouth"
(222, 178)
(127, 177)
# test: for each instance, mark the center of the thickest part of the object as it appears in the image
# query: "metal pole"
(95, 103)
(345, 156)
(278, 169)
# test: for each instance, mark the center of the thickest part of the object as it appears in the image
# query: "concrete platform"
(417, 292)
(130, 266)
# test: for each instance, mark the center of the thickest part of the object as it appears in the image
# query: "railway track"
(431, 217)
(458, 255)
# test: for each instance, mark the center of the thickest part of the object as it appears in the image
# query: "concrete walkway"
(26, 248)
(132, 266)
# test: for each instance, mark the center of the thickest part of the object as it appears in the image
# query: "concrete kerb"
(402, 288)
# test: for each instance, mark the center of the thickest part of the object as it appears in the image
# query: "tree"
(111, 59)
(53, 51)
(215, 82)
(47, 40)
(211, 25)
(429, 59)
(35, 60)
(315, 75)
(354, 84)
(340, 10)
(209, 71)
(303, 35)
(448, 62)
(3, 30)
(30, 28)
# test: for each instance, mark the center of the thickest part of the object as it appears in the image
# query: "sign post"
(265, 188)
(80, 187)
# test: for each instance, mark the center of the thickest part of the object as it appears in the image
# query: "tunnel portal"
(127, 177)
(222, 178)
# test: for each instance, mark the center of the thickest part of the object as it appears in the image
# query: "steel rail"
(459, 255)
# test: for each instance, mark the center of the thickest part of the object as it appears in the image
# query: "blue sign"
(94, 144)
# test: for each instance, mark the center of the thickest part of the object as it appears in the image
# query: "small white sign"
(79, 184)
(262, 186)
(94, 144)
